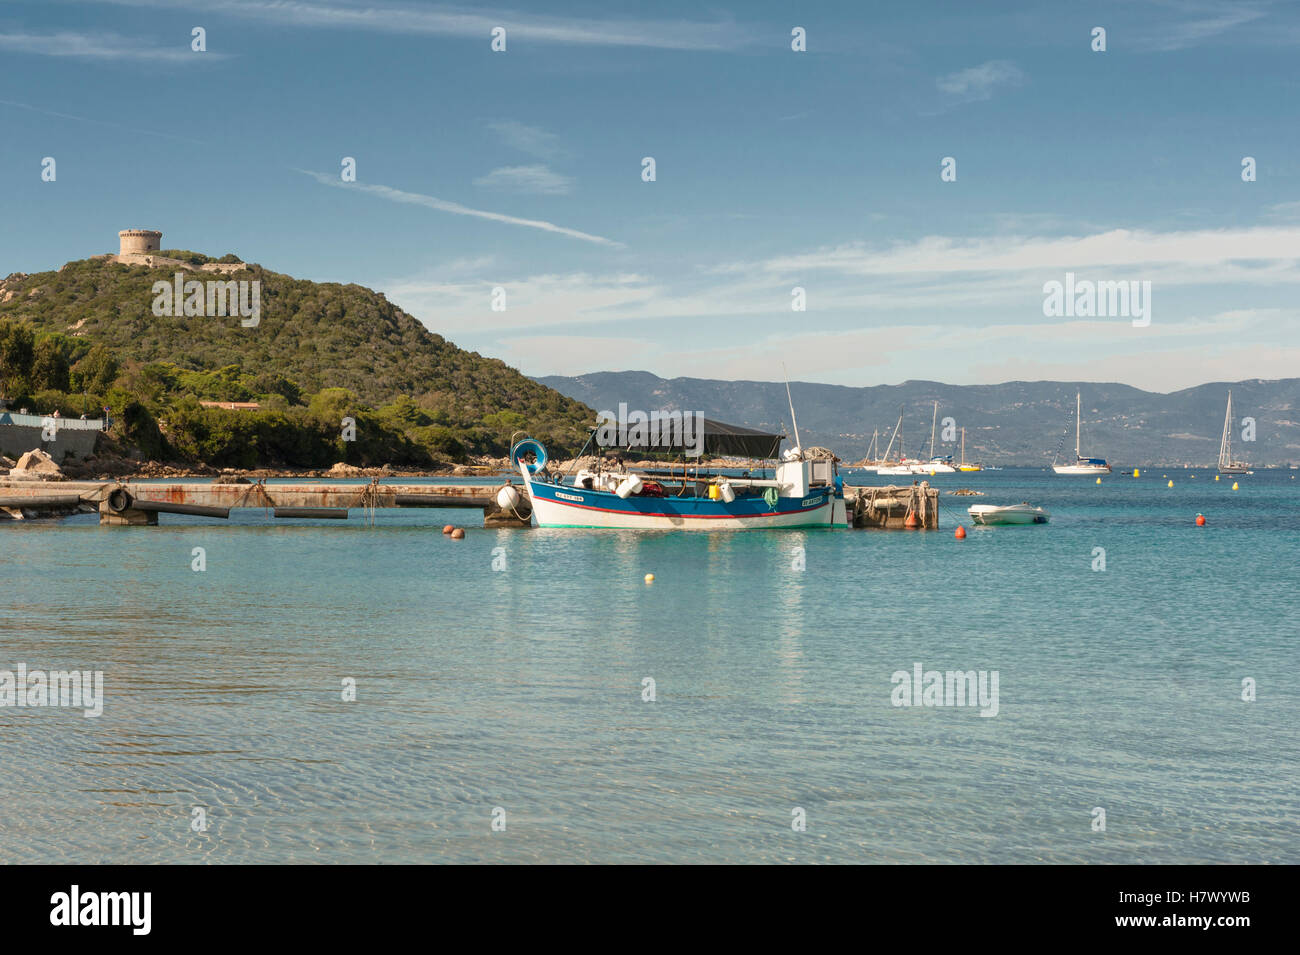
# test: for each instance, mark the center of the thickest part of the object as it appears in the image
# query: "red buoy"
(1200, 520)
(447, 529)
(458, 534)
(911, 522)
(959, 533)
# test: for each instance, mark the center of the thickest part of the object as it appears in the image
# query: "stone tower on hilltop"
(139, 241)
(140, 247)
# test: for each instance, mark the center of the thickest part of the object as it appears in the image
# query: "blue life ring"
(527, 446)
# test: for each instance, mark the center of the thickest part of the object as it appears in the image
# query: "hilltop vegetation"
(86, 336)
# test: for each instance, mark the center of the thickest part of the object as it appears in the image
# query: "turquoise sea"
(515, 692)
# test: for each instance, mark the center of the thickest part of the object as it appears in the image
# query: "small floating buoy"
(1234, 485)
(447, 529)
(458, 534)
(1200, 520)
(1098, 480)
(1136, 473)
(1171, 483)
(959, 533)
(649, 578)
(1216, 477)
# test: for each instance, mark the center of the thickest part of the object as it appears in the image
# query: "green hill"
(416, 397)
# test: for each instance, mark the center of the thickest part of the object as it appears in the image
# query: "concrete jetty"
(128, 503)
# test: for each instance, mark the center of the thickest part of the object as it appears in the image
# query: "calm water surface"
(522, 689)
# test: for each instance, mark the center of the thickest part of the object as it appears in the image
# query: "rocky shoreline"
(36, 465)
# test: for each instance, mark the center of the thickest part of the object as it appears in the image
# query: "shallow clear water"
(522, 689)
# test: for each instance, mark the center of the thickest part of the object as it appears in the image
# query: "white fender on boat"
(629, 487)
(507, 498)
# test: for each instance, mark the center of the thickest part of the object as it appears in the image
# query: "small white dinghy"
(1023, 513)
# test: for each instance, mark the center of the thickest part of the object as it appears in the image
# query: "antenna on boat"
(793, 421)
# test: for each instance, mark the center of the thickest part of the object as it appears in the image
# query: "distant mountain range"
(1014, 423)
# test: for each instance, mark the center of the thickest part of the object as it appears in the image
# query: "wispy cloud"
(538, 180)
(528, 139)
(981, 82)
(101, 46)
(446, 300)
(455, 208)
(447, 20)
(1115, 247)
(99, 122)
(1180, 36)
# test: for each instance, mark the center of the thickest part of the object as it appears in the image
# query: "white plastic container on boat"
(629, 487)
(727, 492)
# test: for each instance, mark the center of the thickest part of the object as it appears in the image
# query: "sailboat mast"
(963, 447)
(895, 435)
(933, 422)
(1078, 413)
(1225, 445)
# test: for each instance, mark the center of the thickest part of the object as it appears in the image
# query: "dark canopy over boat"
(720, 439)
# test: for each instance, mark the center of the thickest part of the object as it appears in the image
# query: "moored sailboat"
(938, 464)
(1081, 465)
(964, 466)
(1226, 464)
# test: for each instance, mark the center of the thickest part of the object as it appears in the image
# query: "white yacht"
(1081, 465)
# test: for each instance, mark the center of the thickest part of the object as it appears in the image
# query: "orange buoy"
(458, 534)
(959, 533)
(447, 529)
(911, 522)
(1200, 520)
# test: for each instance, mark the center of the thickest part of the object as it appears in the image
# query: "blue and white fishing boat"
(798, 490)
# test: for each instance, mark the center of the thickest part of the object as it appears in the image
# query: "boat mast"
(1078, 412)
(963, 447)
(793, 421)
(895, 435)
(933, 422)
(1225, 445)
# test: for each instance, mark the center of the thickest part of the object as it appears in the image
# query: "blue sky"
(775, 169)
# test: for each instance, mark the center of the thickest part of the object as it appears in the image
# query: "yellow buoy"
(1216, 477)
(1098, 480)
(1136, 473)
(1171, 483)
(649, 578)
(1234, 485)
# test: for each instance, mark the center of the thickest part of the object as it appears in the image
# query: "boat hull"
(992, 515)
(566, 506)
(1081, 469)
